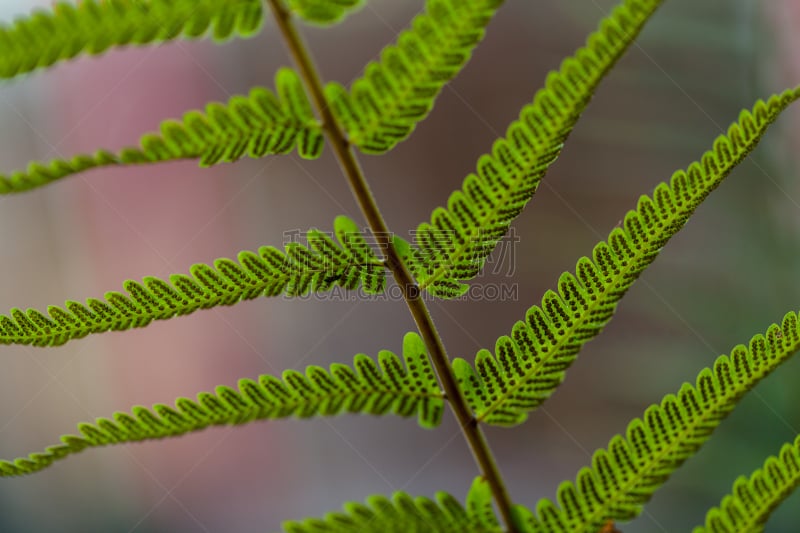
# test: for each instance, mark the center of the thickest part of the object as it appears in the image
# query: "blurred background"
(730, 274)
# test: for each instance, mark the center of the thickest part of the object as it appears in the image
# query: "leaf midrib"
(302, 402)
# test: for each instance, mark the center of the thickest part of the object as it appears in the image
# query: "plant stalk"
(411, 293)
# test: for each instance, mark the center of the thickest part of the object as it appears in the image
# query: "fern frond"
(529, 364)
(404, 388)
(403, 514)
(93, 26)
(256, 125)
(752, 500)
(270, 272)
(455, 244)
(624, 476)
(394, 94)
(324, 11)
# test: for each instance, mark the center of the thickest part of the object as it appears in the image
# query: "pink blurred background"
(726, 277)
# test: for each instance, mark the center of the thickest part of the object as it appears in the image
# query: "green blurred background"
(727, 276)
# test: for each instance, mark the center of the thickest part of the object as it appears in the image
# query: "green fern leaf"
(257, 125)
(405, 388)
(459, 238)
(93, 26)
(403, 514)
(296, 272)
(324, 11)
(397, 92)
(624, 476)
(752, 500)
(529, 364)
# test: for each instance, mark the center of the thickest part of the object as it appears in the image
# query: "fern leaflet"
(405, 388)
(324, 11)
(259, 124)
(396, 93)
(269, 273)
(752, 500)
(459, 238)
(531, 362)
(624, 476)
(403, 514)
(93, 26)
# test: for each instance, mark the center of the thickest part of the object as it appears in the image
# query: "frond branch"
(397, 92)
(93, 26)
(403, 513)
(532, 360)
(256, 125)
(405, 388)
(624, 476)
(298, 271)
(454, 246)
(752, 500)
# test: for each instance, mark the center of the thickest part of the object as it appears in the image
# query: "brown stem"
(411, 293)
